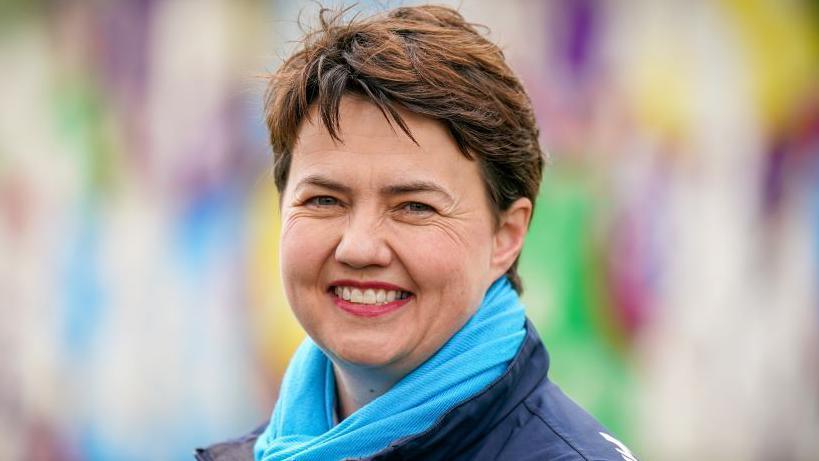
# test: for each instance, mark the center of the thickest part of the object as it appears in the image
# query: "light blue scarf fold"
(301, 427)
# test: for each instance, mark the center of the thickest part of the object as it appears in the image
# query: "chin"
(365, 354)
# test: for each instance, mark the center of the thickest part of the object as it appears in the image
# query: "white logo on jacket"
(622, 449)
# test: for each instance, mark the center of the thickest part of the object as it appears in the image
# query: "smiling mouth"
(369, 296)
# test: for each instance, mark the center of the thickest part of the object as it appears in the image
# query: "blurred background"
(671, 267)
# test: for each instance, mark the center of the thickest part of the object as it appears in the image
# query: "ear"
(509, 235)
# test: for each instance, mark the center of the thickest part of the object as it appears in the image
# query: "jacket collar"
(457, 429)
(468, 422)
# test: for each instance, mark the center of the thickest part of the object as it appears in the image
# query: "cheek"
(454, 267)
(304, 247)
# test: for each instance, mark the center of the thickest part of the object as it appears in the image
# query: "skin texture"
(379, 208)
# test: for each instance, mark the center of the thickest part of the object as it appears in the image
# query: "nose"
(362, 242)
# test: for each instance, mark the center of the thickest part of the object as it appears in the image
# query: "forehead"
(361, 118)
(370, 146)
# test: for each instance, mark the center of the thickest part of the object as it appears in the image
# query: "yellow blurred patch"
(782, 49)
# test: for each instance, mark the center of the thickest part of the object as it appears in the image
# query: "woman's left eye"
(416, 207)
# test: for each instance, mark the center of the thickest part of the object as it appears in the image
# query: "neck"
(358, 386)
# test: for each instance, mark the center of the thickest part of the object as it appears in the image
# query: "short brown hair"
(427, 60)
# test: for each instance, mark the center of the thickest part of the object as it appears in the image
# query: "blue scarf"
(301, 427)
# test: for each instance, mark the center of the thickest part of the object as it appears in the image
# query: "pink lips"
(368, 310)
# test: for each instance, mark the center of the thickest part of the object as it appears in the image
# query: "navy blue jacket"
(521, 416)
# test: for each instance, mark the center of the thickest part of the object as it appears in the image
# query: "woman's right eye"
(323, 201)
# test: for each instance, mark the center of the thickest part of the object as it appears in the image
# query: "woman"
(407, 161)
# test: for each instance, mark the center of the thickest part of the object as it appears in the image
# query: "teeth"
(356, 296)
(369, 295)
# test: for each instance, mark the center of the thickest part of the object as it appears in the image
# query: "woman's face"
(386, 246)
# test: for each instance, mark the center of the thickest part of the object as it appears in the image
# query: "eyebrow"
(323, 182)
(415, 186)
(392, 189)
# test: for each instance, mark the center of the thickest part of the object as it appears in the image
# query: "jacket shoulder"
(549, 425)
(238, 449)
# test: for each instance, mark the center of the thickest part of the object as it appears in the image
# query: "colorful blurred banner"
(671, 266)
